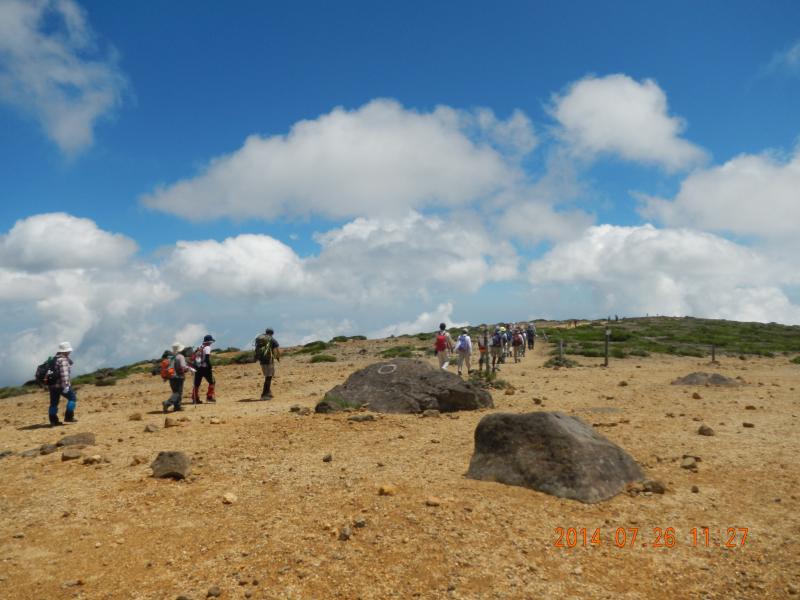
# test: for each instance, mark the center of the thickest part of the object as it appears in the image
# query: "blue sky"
(341, 168)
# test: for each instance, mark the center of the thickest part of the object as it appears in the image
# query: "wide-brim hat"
(177, 347)
(65, 347)
(209, 338)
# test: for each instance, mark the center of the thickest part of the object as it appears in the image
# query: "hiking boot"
(165, 406)
(56, 423)
(70, 420)
(177, 409)
(197, 401)
(211, 399)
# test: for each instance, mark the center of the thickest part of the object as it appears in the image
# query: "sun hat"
(209, 338)
(465, 330)
(64, 347)
(177, 347)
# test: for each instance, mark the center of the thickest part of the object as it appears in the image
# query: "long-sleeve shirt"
(63, 368)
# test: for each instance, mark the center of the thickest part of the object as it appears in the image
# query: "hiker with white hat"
(61, 386)
(177, 369)
(464, 350)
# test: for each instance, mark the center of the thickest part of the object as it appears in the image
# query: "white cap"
(177, 347)
(64, 347)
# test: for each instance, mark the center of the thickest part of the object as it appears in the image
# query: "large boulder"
(405, 385)
(700, 378)
(172, 464)
(77, 439)
(553, 453)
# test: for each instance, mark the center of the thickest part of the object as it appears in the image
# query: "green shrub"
(398, 352)
(796, 360)
(335, 400)
(314, 347)
(557, 361)
(10, 392)
(317, 358)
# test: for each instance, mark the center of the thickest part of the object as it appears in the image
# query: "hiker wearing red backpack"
(443, 345)
(176, 375)
(202, 365)
(59, 385)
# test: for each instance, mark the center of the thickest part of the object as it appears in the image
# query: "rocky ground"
(282, 504)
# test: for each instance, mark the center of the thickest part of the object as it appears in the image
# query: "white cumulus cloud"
(380, 159)
(750, 194)
(426, 321)
(50, 67)
(640, 270)
(619, 115)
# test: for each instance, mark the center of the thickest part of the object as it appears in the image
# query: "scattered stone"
(327, 458)
(405, 385)
(359, 522)
(431, 412)
(95, 459)
(537, 401)
(150, 428)
(174, 465)
(19, 536)
(47, 449)
(695, 489)
(294, 408)
(510, 392)
(229, 498)
(135, 417)
(699, 378)
(30, 453)
(653, 486)
(77, 439)
(215, 421)
(689, 462)
(345, 534)
(705, 430)
(745, 424)
(387, 490)
(622, 383)
(70, 454)
(138, 459)
(552, 453)
(697, 396)
(433, 501)
(361, 418)
(749, 407)
(170, 422)
(5, 453)
(213, 592)
(73, 583)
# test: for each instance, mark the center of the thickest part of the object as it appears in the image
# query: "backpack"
(441, 342)
(198, 358)
(46, 372)
(517, 339)
(497, 340)
(168, 368)
(264, 349)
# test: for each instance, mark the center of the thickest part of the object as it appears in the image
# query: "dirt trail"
(69, 530)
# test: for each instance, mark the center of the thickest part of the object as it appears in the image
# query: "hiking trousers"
(55, 397)
(464, 358)
(200, 374)
(176, 385)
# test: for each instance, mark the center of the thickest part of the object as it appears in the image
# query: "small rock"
(71, 454)
(359, 522)
(213, 592)
(695, 489)
(19, 536)
(791, 590)
(622, 383)
(431, 412)
(150, 428)
(47, 449)
(749, 407)
(705, 430)
(174, 465)
(387, 490)
(345, 534)
(294, 408)
(748, 424)
(689, 462)
(30, 453)
(433, 501)
(327, 458)
(361, 418)
(170, 422)
(697, 396)
(95, 459)
(215, 421)
(653, 486)
(229, 498)
(77, 439)
(138, 459)
(135, 417)
(5, 453)
(537, 401)
(510, 392)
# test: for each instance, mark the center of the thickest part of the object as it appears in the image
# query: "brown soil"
(69, 530)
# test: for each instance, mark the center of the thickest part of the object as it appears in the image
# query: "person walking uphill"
(267, 353)
(464, 350)
(202, 364)
(62, 386)
(177, 375)
(443, 345)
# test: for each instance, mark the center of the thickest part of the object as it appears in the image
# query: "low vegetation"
(318, 358)
(398, 352)
(314, 347)
(347, 338)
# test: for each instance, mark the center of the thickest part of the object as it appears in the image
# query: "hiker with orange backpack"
(175, 373)
(201, 360)
(443, 345)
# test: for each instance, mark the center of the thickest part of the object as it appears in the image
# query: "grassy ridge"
(682, 336)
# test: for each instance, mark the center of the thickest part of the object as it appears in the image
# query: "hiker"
(504, 339)
(496, 348)
(530, 333)
(443, 346)
(61, 386)
(177, 369)
(483, 349)
(202, 364)
(267, 353)
(464, 350)
(516, 344)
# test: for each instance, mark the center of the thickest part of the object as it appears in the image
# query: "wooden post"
(608, 335)
(561, 349)
(713, 353)
(488, 352)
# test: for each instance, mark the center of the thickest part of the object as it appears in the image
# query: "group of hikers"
(508, 340)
